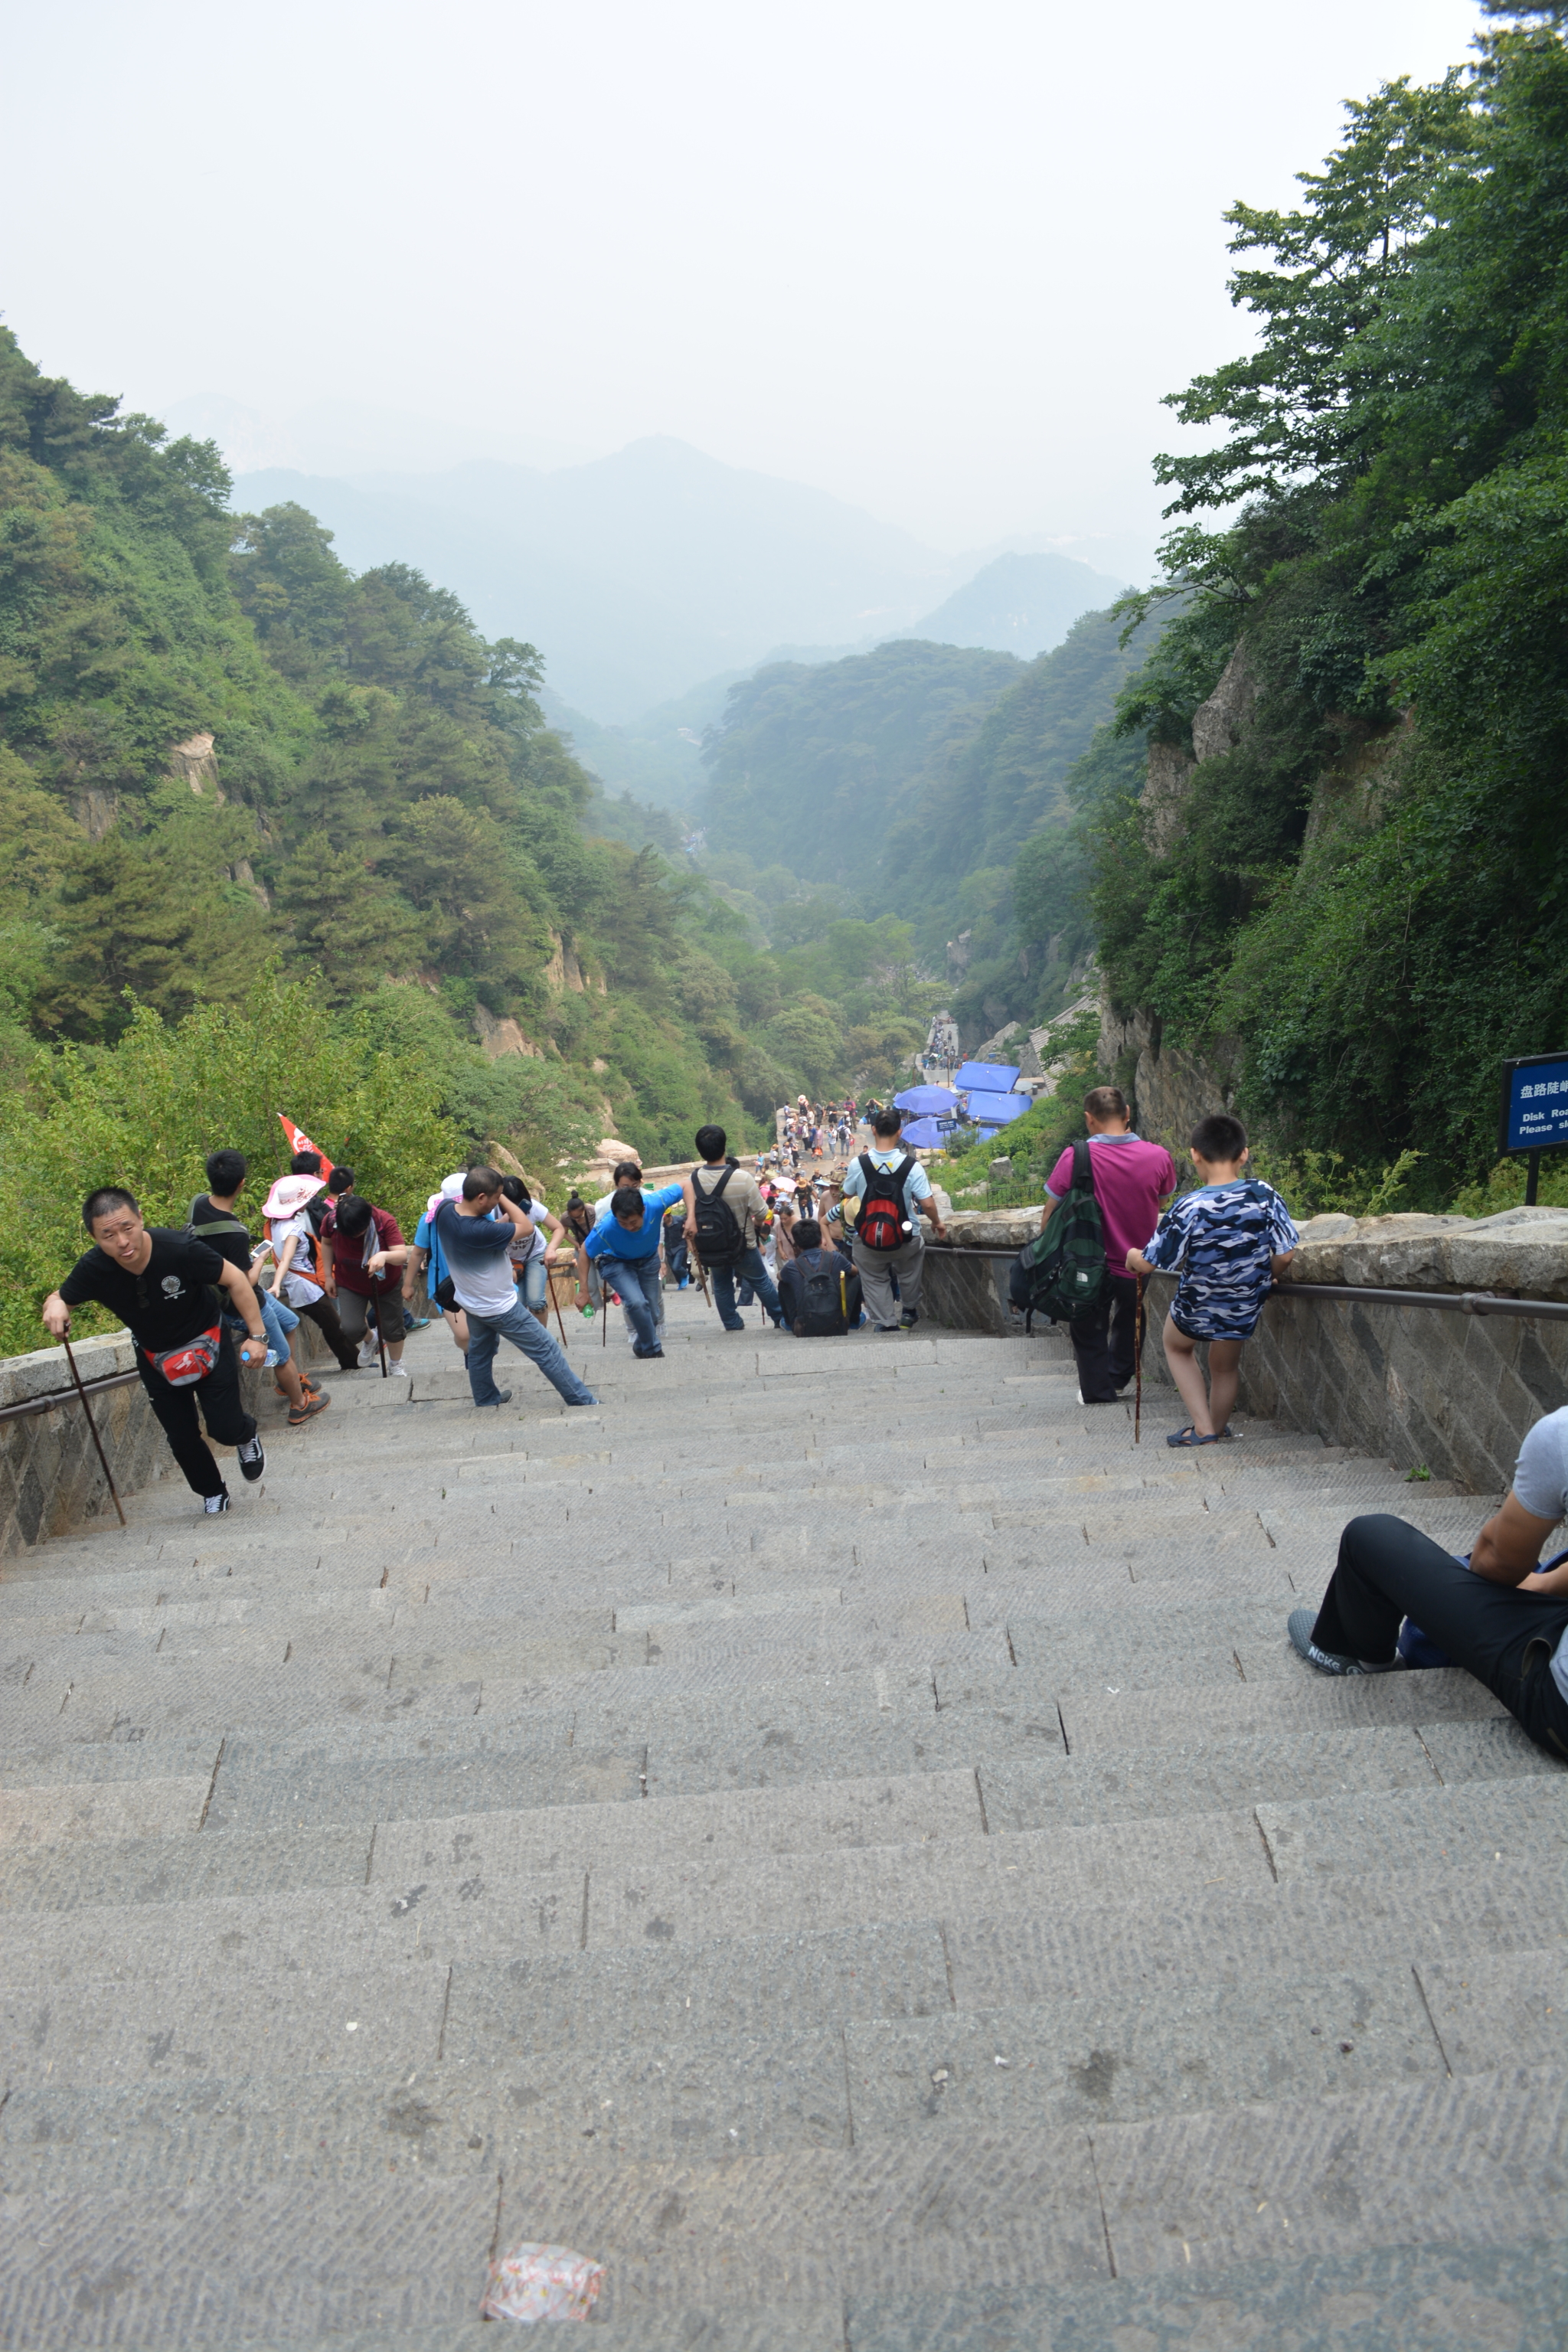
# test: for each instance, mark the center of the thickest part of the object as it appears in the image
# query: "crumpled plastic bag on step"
(534, 2282)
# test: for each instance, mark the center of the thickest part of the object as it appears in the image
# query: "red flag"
(299, 1141)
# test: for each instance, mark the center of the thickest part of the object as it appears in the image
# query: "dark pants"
(1388, 1571)
(675, 1253)
(756, 1281)
(223, 1410)
(324, 1315)
(1106, 1341)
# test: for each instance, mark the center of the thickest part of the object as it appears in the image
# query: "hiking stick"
(380, 1337)
(556, 1304)
(1138, 1390)
(103, 1457)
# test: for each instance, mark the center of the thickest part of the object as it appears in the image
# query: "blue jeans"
(525, 1332)
(637, 1279)
(534, 1288)
(751, 1269)
(277, 1321)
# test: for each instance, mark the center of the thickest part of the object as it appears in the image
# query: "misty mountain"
(815, 764)
(639, 575)
(1021, 605)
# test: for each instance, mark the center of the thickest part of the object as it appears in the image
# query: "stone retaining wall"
(1422, 1387)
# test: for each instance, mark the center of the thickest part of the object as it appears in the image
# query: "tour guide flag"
(299, 1141)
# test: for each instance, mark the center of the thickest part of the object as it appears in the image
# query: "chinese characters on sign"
(1535, 1104)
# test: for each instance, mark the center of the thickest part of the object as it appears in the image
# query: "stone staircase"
(835, 1833)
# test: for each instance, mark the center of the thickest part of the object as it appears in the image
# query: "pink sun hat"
(290, 1194)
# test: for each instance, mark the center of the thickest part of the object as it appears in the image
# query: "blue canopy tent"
(925, 1134)
(996, 1110)
(926, 1102)
(986, 1077)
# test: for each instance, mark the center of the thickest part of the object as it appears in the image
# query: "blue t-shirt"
(610, 1238)
(425, 1237)
(1223, 1237)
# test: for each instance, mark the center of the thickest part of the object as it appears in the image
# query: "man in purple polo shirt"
(1133, 1181)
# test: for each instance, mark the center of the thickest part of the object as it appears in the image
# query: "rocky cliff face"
(1173, 1089)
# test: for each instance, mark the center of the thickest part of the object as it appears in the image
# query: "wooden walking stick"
(103, 1457)
(1138, 1389)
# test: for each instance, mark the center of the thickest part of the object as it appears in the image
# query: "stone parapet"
(1424, 1387)
(1519, 1254)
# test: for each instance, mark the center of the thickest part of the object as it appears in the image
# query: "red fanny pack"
(184, 1366)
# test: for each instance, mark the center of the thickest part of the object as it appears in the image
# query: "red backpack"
(882, 1223)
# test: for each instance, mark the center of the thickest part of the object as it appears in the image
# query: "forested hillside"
(242, 790)
(927, 782)
(1366, 889)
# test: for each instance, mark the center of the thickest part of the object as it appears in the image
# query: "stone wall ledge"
(1517, 1253)
(44, 1370)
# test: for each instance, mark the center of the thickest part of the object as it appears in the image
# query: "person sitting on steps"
(1230, 1236)
(1500, 1616)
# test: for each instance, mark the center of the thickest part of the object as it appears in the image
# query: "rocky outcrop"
(1219, 723)
(195, 762)
(563, 972)
(499, 1038)
(1171, 1088)
(1170, 776)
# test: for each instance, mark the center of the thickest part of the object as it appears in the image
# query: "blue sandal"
(1191, 1437)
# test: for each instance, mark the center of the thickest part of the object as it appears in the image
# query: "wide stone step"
(495, 2097)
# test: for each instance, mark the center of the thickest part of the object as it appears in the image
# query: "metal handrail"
(51, 1398)
(1454, 1302)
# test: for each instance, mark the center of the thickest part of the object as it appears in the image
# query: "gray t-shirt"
(1541, 1484)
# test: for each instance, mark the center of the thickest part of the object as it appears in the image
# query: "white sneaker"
(398, 1371)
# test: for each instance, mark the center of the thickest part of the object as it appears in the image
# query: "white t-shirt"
(523, 1253)
(1540, 1482)
(297, 1291)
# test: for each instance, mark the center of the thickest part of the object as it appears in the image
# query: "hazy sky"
(940, 260)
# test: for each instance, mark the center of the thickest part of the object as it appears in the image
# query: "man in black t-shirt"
(164, 1288)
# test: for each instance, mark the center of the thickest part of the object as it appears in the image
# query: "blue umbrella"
(922, 1102)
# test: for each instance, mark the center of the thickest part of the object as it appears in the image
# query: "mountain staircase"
(835, 1833)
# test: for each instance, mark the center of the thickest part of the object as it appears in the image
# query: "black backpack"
(882, 1223)
(825, 1282)
(1062, 1271)
(720, 1241)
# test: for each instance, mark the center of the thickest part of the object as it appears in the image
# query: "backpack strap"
(1082, 1166)
(717, 1192)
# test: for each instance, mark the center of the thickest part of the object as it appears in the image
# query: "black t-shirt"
(167, 1303)
(232, 1239)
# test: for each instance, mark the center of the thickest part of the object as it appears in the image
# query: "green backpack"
(1062, 1271)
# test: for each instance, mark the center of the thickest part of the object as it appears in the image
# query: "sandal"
(1190, 1436)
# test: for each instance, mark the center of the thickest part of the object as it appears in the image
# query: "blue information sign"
(1535, 1104)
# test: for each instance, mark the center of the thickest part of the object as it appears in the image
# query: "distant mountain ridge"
(642, 575)
(1021, 605)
